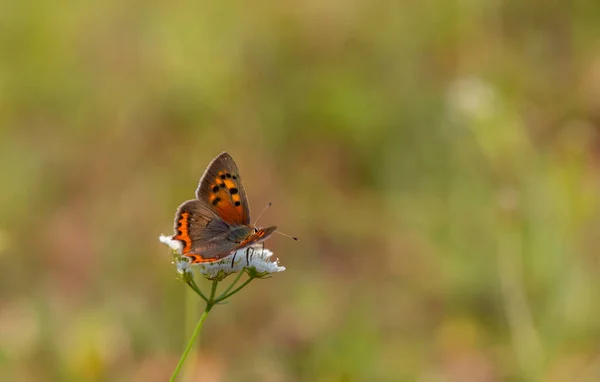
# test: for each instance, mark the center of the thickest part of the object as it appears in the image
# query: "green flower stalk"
(253, 261)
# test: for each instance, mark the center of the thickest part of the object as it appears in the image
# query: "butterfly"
(217, 223)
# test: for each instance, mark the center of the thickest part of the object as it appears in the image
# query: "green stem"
(237, 278)
(235, 290)
(192, 340)
(213, 290)
(210, 302)
(193, 285)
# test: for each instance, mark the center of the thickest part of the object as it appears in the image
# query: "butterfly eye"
(256, 230)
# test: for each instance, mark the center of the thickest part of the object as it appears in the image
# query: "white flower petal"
(261, 262)
(173, 244)
(256, 258)
(183, 267)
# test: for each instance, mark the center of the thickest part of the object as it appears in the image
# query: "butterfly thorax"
(239, 233)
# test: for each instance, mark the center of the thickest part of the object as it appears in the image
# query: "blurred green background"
(440, 162)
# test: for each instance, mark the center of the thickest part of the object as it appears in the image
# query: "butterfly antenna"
(263, 211)
(281, 233)
(286, 235)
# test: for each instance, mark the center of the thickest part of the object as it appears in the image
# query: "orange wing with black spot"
(222, 190)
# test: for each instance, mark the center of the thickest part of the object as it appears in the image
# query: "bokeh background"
(439, 160)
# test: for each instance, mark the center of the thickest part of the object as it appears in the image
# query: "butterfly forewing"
(222, 190)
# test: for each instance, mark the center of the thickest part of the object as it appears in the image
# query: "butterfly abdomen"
(256, 236)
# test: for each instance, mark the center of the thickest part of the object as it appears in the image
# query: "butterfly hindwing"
(212, 251)
(203, 235)
(222, 190)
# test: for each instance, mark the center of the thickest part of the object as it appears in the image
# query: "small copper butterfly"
(217, 223)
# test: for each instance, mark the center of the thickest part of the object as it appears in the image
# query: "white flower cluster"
(256, 259)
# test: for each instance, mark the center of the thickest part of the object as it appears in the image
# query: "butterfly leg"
(248, 254)
(233, 259)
